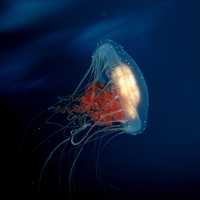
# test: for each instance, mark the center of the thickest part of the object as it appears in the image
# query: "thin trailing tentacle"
(110, 139)
(62, 155)
(101, 149)
(78, 155)
(28, 126)
(98, 160)
(63, 128)
(52, 123)
(76, 158)
(108, 131)
(47, 160)
(50, 136)
(83, 79)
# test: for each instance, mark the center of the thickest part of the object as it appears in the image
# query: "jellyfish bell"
(123, 88)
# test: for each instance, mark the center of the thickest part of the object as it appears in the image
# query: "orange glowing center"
(101, 105)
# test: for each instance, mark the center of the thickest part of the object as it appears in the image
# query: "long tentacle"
(75, 160)
(98, 168)
(78, 155)
(47, 160)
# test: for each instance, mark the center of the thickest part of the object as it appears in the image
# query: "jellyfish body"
(112, 98)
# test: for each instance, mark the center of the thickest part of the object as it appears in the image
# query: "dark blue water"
(46, 48)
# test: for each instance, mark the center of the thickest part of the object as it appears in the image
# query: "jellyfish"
(111, 99)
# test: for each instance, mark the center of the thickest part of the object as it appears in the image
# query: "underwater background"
(45, 49)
